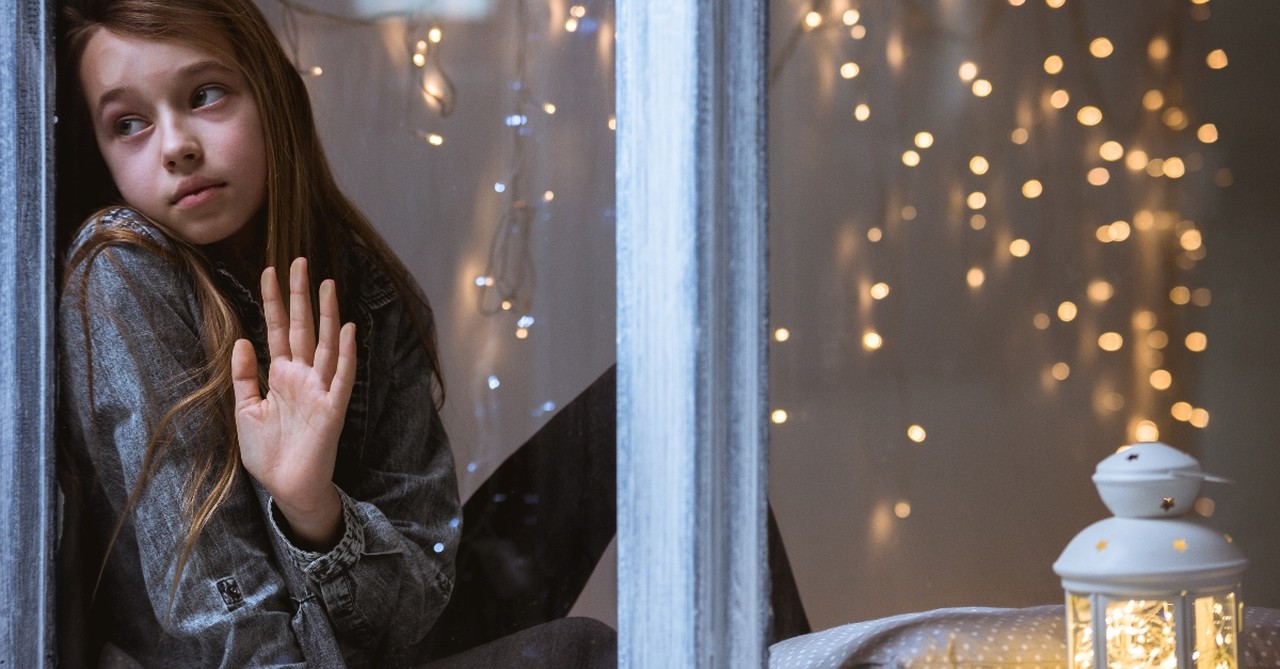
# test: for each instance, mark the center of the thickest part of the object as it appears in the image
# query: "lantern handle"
(1202, 476)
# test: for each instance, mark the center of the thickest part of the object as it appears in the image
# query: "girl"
(261, 490)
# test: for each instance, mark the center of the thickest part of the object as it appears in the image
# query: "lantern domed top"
(1149, 480)
(1149, 546)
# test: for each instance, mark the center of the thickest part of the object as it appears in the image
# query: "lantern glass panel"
(1080, 631)
(1216, 632)
(1141, 633)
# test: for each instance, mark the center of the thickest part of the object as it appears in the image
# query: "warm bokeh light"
(1101, 47)
(1061, 371)
(978, 165)
(1040, 321)
(1217, 59)
(975, 277)
(812, 20)
(968, 71)
(910, 158)
(1019, 136)
(1100, 291)
(1180, 295)
(976, 200)
(1161, 379)
(779, 416)
(1053, 64)
(849, 70)
(902, 509)
(1111, 151)
(916, 433)
(1144, 319)
(1199, 417)
(1196, 342)
(862, 112)
(1174, 117)
(1173, 167)
(1157, 339)
(1136, 160)
(1190, 240)
(924, 139)
(1055, 4)
(1019, 248)
(872, 341)
(977, 221)
(1032, 189)
(1181, 411)
(1089, 115)
(874, 235)
(1158, 48)
(1146, 431)
(981, 88)
(781, 334)
(1110, 341)
(1200, 297)
(1098, 176)
(1204, 507)
(1207, 133)
(1059, 98)
(1067, 311)
(850, 17)
(1153, 99)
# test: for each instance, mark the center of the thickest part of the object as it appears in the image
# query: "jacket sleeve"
(391, 574)
(130, 349)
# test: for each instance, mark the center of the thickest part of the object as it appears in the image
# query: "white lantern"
(1151, 587)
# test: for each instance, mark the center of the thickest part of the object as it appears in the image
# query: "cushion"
(975, 637)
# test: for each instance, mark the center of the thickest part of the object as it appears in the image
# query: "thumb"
(244, 374)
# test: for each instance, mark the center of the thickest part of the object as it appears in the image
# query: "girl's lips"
(199, 196)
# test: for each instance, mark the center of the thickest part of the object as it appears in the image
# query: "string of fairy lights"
(1146, 148)
(508, 283)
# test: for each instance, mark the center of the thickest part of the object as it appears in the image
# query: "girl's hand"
(289, 439)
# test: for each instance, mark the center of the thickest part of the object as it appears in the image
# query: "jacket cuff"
(321, 567)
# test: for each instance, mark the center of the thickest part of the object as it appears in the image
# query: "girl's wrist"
(317, 526)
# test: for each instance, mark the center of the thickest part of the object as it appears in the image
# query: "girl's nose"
(181, 147)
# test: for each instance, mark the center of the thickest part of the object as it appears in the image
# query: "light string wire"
(509, 280)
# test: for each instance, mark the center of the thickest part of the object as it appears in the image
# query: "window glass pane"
(478, 137)
(1007, 238)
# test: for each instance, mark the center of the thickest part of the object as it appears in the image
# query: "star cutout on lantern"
(1133, 456)
(1180, 545)
(1102, 545)
(1166, 503)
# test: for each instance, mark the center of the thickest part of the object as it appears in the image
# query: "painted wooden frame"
(692, 287)
(27, 491)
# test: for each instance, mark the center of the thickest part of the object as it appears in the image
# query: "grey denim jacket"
(248, 597)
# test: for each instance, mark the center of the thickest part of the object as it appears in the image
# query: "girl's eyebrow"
(187, 71)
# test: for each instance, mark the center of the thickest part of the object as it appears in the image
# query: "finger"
(345, 376)
(327, 348)
(244, 374)
(273, 311)
(302, 335)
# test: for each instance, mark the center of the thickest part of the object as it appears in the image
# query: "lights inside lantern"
(1151, 587)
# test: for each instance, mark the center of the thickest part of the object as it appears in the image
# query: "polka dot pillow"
(976, 637)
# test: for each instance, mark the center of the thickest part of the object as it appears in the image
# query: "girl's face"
(180, 133)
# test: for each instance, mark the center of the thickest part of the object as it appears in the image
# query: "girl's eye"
(129, 126)
(207, 96)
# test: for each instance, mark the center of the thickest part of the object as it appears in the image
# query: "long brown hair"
(305, 214)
